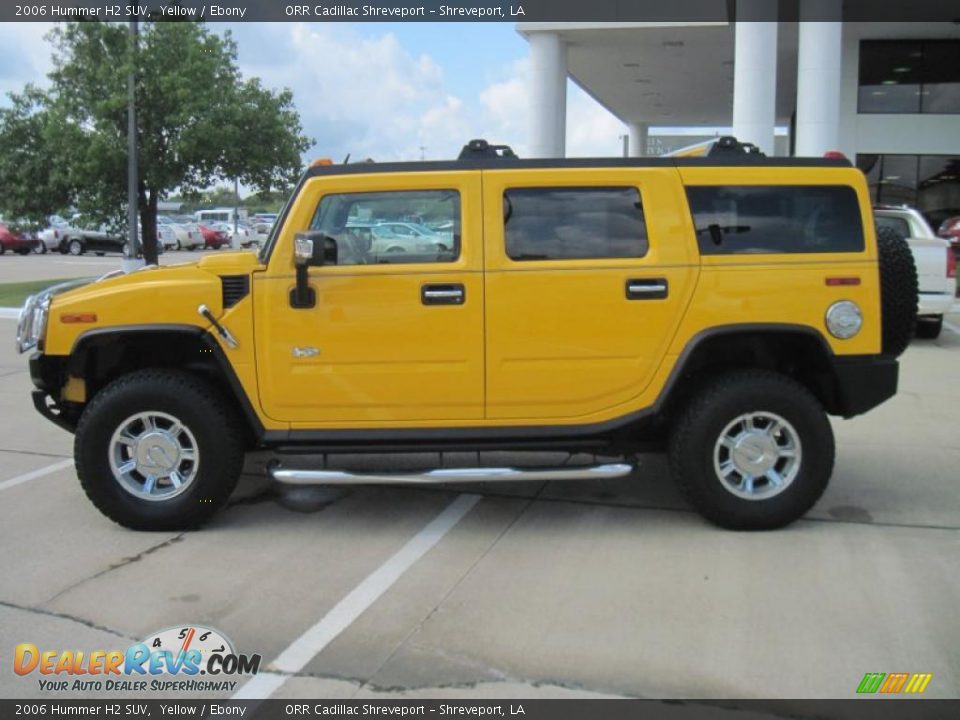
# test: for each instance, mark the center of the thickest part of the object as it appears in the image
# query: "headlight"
(844, 319)
(32, 323)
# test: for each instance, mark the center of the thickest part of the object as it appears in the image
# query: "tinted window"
(415, 226)
(911, 76)
(782, 219)
(574, 223)
(898, 225)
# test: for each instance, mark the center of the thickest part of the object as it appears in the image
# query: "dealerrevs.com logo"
(170, 660)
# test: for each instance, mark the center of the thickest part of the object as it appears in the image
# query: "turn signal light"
(78, 317)
(321, 161)
(951, 263)
(839, 281)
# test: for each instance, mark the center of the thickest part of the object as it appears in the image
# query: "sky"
(390, 91)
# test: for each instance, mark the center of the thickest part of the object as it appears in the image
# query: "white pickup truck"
(936, 268)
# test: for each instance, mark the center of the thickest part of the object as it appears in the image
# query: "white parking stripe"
(34, 474)
(302, 650)
(9, 313)
(951, 327)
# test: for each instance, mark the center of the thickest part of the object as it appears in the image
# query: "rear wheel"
(3, 248)
(929, 328)
(158, 450)
(75, 247)
(753, 450)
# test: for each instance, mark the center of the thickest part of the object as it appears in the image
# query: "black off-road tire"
(929, 328)
(201, 408)
(701, 423)
(898, 291)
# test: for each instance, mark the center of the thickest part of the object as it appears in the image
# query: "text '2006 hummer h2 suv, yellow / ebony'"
(719, 307)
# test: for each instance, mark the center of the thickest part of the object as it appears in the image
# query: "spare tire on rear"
(898, 291)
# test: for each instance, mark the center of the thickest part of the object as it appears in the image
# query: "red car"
(15, 241)
(950, 229)
(214, 239)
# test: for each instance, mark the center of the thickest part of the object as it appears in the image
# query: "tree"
(199, 122)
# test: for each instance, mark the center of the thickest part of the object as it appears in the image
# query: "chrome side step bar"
(290, 476)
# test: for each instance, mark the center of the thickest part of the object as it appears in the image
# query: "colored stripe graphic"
(913, 683)
(894, 682)
(918, 683)
(871, 682)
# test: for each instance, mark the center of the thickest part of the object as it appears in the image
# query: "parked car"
(187, 234)
(20, 242)
(950, 231)
(588, 318)
(244, 236)
(214, 239)
(386, 241)
(935, 261)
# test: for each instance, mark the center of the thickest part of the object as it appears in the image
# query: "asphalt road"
(571, 589)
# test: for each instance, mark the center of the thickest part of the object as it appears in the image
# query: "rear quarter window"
(749, 219)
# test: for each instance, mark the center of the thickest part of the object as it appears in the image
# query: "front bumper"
(48, 375)
(863, 381)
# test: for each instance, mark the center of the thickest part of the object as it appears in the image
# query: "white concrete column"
(548, 95)
(755, 75)
(819, 67)
(639, 133)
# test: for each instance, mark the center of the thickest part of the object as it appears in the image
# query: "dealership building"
(885, 94)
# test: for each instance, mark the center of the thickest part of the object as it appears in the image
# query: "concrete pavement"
(578, 589)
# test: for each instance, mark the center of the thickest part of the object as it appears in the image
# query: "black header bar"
(525, 11)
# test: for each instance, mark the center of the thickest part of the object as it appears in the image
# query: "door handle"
(647, 288)
(443, 294)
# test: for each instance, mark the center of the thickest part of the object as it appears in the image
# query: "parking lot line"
(302, 650)
(951, 327)
(34, 474)
(9, 313)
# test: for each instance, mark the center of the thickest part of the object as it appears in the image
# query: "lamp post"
(135, 259)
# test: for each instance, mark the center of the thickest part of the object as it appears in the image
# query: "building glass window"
(930, 183)
(909, 76)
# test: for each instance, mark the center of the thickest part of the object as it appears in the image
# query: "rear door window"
(570, 223)
(750, 219)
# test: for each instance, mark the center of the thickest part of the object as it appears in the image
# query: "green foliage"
(199, 122)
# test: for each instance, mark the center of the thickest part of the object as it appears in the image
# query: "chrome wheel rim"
(154, 456)
(75, 248)
(757, 456)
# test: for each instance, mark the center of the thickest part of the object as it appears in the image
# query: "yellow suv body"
(489, 303)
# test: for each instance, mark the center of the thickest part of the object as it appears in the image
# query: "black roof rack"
(729, 145)
(482, 149)
(480, 154)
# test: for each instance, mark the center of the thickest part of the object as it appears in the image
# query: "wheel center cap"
(755, 454)
(157, 454)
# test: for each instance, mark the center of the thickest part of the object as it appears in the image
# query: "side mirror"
(310, 248)
(314, 248)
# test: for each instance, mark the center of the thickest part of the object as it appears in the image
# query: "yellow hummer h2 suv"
(717, 307)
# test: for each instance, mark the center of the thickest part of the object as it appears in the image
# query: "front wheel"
(158, 450)
(753, 450)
